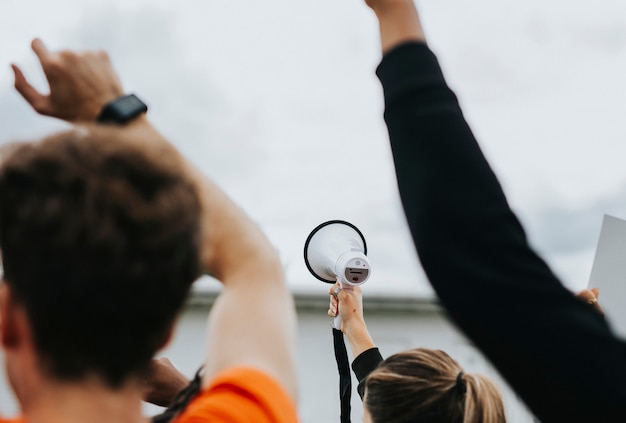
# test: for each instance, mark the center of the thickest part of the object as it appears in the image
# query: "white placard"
(608, 273)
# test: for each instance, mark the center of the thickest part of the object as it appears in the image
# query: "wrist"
(122, 110)
(398, 22)
(391, 7)
(359, 338)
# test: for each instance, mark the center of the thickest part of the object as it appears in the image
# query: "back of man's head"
(99, 241)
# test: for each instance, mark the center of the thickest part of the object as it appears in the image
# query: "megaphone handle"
(337, 319)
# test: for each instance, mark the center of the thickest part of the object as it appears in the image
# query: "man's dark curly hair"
(100, 243)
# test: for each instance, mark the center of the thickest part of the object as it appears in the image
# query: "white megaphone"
(335, 251)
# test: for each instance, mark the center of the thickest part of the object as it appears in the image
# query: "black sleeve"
(557, 353)
(363, 365)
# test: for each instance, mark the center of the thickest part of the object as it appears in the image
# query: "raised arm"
(366, 356)
(398, 22)
(554, 350)
(349, 301)
(253, 321)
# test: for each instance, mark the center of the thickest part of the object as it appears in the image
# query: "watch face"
(130, 105)
(123, 109)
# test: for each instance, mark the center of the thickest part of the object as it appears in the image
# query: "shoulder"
(241, 394)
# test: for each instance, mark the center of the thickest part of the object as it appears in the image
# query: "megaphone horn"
(336, 251)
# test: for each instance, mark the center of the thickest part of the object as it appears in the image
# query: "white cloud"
(279, 103)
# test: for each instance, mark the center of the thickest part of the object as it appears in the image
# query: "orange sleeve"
(241, 395)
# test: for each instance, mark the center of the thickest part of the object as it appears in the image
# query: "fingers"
(587, 295)
(333, 305)
(332, 311)
(37, 100)
(594, 294)
(590, 296)
(40, 49)
(334, 301)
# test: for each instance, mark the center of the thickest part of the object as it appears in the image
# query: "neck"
(86, 401)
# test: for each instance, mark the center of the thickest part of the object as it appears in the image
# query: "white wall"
(395, 324)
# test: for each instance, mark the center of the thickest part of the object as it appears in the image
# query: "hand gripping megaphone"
(335, 251)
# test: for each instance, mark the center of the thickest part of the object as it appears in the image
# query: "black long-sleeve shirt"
(555, 351)
(364, 364)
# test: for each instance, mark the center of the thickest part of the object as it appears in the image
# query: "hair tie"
(460, 384)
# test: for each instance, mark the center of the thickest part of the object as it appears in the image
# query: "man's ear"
(9, 333)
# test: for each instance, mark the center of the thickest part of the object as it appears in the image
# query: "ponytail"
(483, 401)
(430, 386)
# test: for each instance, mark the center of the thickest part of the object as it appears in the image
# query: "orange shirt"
(237, 395)
(241, 395)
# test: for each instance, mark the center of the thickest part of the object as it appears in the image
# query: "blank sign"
(608, 273)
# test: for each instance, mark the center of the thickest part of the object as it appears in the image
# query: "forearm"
(81, 85)
(359, 339)
(231, 243)
(398, 21)
(475, 254)
(252, 323)
(366, 356)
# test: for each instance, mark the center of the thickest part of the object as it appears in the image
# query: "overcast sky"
(278, 102)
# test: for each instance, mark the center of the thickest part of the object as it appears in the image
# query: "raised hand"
(349, 302)
(590, 296)
(398, 22)
(80, 84)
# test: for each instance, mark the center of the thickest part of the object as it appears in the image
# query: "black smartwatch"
(122, 110)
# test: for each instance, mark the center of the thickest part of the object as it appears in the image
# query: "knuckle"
(54, 64)
(102, 54)
(67, 55)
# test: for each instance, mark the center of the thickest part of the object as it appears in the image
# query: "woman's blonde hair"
(430, 386)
